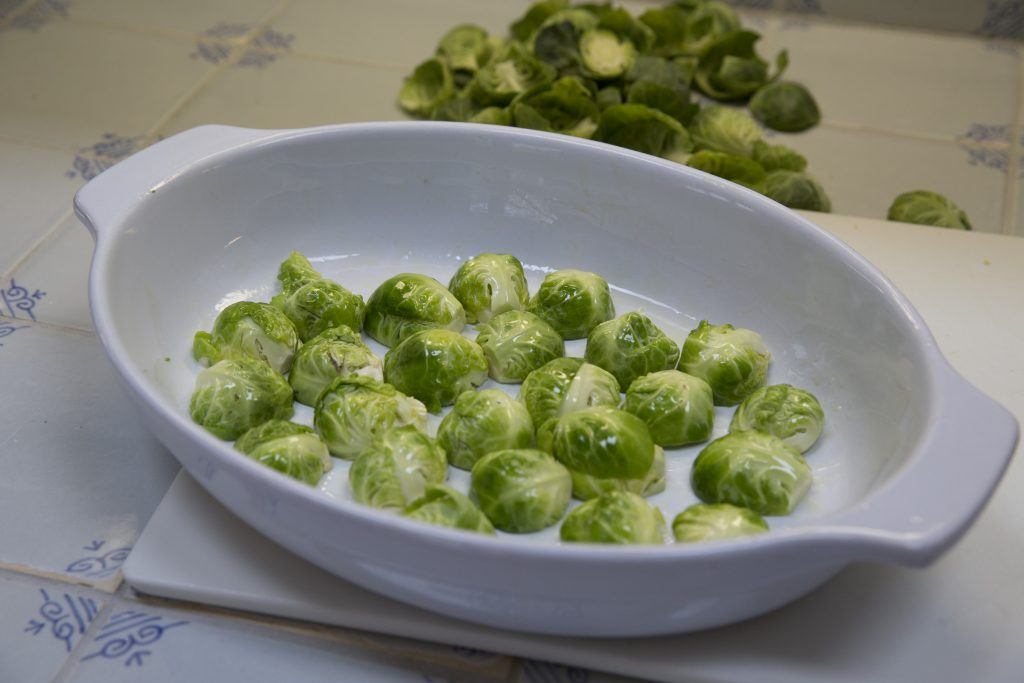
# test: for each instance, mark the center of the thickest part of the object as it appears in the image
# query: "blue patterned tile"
(39, 14)
(94, 159)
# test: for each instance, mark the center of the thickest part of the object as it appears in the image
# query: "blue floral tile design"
(19, 302)
(99, 565)
(129, 636)
(7, 328)
(95, 159)
(987, 145)
(40, 14)
(62, 616)
(1003, 19)
(215, 45)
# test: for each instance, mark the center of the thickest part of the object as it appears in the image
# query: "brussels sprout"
(248, 329)
(678, 409)
(535, 15)
(408, 303)
(465, 47)
(483, 422)
(429, 86)
(233, 396)
(289, 448)
(565, 385)
(704, 522)
(728, 166)
(630, 346)
(585, 486)
(573, 302)
(733, 360)
(730, 68)
(314, 303)
(565, 106)
(793, 415)
(435, 366)
(620, 22)
(641, 128)
(795, 190)
(352, 411)
(723, 129)
(753, 470)
(489, 284)
(669, 27)
(605, 55)
(615, 517)
(511, 71)
(785, 106)
(928, 208)
(336, 352)
(445, 506)
(778, 157)
(460, 109)
(396, 468)
(516, 343)
(557, 40)
(603, 442)
(607, 97)
(521, 490)
(708, 22)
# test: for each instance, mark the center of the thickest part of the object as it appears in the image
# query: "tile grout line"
(37, 245)
(83, 331)
(74, 657)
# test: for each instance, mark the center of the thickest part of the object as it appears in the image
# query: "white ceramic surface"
(203, 218)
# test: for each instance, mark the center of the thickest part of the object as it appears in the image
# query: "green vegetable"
(335, 352)
(616, 517)
(630, 346)
(445, 506)
(396, 468)
(495, 116)
(728, 166)
(352, 411)
(723, 129)
(465, 48)
(314, 303)
(667, 100)
(521, 490)
(248, 329)
(928, 208)
(573, 302)
(289, 448)
(489, 284)
(516, 343)
(235, 395)
(778, 157)
(621, 23)
(535, 15)
(673, 74)
(603, 442)
(511, 71)
(677, 408)
(557, 40)
(565, 385)
(483, 422)
(793, 415)
(585, 486)
(565, 106)
(733, 360)
(795, 190)
(785, 106)
(409, 303)
(605, 55)
(607, 97)
(641, 128)
(707, 23)
(669, 27)
(704, 522)
(460, 109)
(429, 86)
(730, 68)
(435, 366)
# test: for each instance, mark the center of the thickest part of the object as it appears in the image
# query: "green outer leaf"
(630, 346)
(603, 442)
(292, 449)
(336, 352)
(724, 129)
(664, 99)
(778, 157)
(435, 366)
(677, 408)
(924, 207)
(352, 411)
(573, 302)
(616, 517)
(640, 128)
(740, 170)
(791, 414)
(785, 106)
(522, 490)
(585, 487)
(534, 16)
(489, 284)
(483, 422)
(464, 47)
(234, 395)
(409, 303)
(669, 27)
(795, 190)
(713, 522)
(445, 506)
(516, 343)
(396, 468)
(561, 106)
(734, 361)
(621, 22)
(429, 86)
(565, 385)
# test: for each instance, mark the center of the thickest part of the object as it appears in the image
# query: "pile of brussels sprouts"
(595, 71)
(570, 434)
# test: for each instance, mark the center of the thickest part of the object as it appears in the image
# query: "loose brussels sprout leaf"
(586, 487)
(409, 303)
(336, 352)
(670, 73)
(638, 127)
(495, 116)
(233, 396)
(435, 366)
(605, 55)
(785, 106)
(465, 48)
(678, 409)
(730, 68)
(630, 346)
(557, 41)
(396, 468)
(603, 442)
(669, 27)
(312, 302)
(740, 170)
(607, 97)
(289, 448)
(521, 490)
(535, 15)
(795, 190)
(752, 470)
(352, 411)
(249, 329)
(525, 116)
(565, 106)
(664, 99)
(565, 385)
(793, 415)
(778, 157)
(483, 422)
(445, 506)
(460, 109)
(616, 517)
(489, 284)
(516, 343)
(621, 23)
(573, 301)
(733, 360)
(429, 86)
(704, 522)
(928, 208)
(511, 71)
(723, 129)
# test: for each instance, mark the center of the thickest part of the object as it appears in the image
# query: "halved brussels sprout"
(483, 422)
(740, 170)
(516, 343)
(928, 208)
(352, 411)
(511, 70)
(724, 129)
(557, 40)
(642, 128)
(565, 385)
(795, 190)
(408, 303)
(730, 68)
(615, 517)
(233, 396)
(396, 468)
(712, 522)
(573, 302)
(733, 360)
(630, 346)
(248, 329)
(465, 47)
(445, 506)
(521, 490)
(620, 22)
(565, 106)
(603, 442)
(785, 106)
(314, 303)
(585, 486)
(678, 409)
(752, 470)
(289, 448)
(427, 87)
(778, 157)
(435, 366)
(335, 352)
(489, 284)
(605, 55)
(793, 415)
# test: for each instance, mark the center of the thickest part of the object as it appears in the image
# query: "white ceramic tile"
(184, 16)
(1016, 226)
(81, 474)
